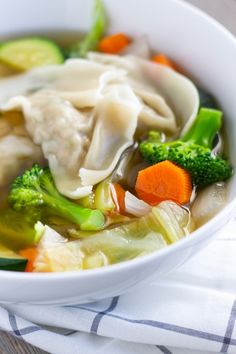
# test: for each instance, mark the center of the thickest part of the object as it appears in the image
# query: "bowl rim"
(212, 226)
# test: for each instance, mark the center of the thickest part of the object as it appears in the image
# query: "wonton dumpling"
(57, 126)
(82, 148)
(115, 122)
(62, 131)
(84, 113)
(79, 81)
(16, 152)
(162, 91)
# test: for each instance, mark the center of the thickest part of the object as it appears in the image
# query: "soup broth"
(98, 154)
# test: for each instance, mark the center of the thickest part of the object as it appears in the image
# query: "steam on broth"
(107, 152)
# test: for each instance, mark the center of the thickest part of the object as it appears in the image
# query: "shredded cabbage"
(135, 206)
(100, 198)
(164, 225)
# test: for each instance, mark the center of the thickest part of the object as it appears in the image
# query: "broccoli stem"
(88, 219)
(36, 189)
(205, 128)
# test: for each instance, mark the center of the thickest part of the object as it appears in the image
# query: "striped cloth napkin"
(191, 311)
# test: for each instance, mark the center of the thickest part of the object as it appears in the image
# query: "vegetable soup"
(108, 152)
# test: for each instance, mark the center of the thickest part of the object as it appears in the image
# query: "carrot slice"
(118, 195)
(163, 60)
(164, 181)
(30, 254)
(114, 44)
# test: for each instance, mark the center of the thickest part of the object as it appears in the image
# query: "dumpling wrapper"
(16, 152)
(84, 113)
(165, 95)
(78, 80)
(115, 116)
(82, 149)
(161, 90)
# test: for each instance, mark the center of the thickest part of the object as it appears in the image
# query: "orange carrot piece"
(119, 197)
(114, 44)
(164, 181)
(30, 254)
(163, 60)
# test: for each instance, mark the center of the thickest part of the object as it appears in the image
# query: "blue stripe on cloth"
(99, 316)
(12, 321)
(163, 349)
(23, 331)
(166, 326)
(29, 330)
(229, 329)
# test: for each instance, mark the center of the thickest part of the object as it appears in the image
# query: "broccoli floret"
(193, 151)
(35, 189)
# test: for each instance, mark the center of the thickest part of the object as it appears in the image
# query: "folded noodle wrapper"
(161, 90)
(84, 113)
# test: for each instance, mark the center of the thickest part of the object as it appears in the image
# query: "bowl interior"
(200, 45)
(197, 43)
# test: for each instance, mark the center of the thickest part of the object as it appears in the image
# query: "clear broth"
(65, 39)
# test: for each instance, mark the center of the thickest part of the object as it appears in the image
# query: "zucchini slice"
(27, 53)
(9, 260)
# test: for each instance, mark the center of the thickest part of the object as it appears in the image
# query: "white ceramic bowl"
(199, 44)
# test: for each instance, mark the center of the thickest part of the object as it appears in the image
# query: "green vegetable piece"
(204, 129)
(193, 151)
(27, 53)
(103, 196)
(17, 229)
(9, 260)
(88, 201)
(100, 198)
(91, 40)
(36, 189)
